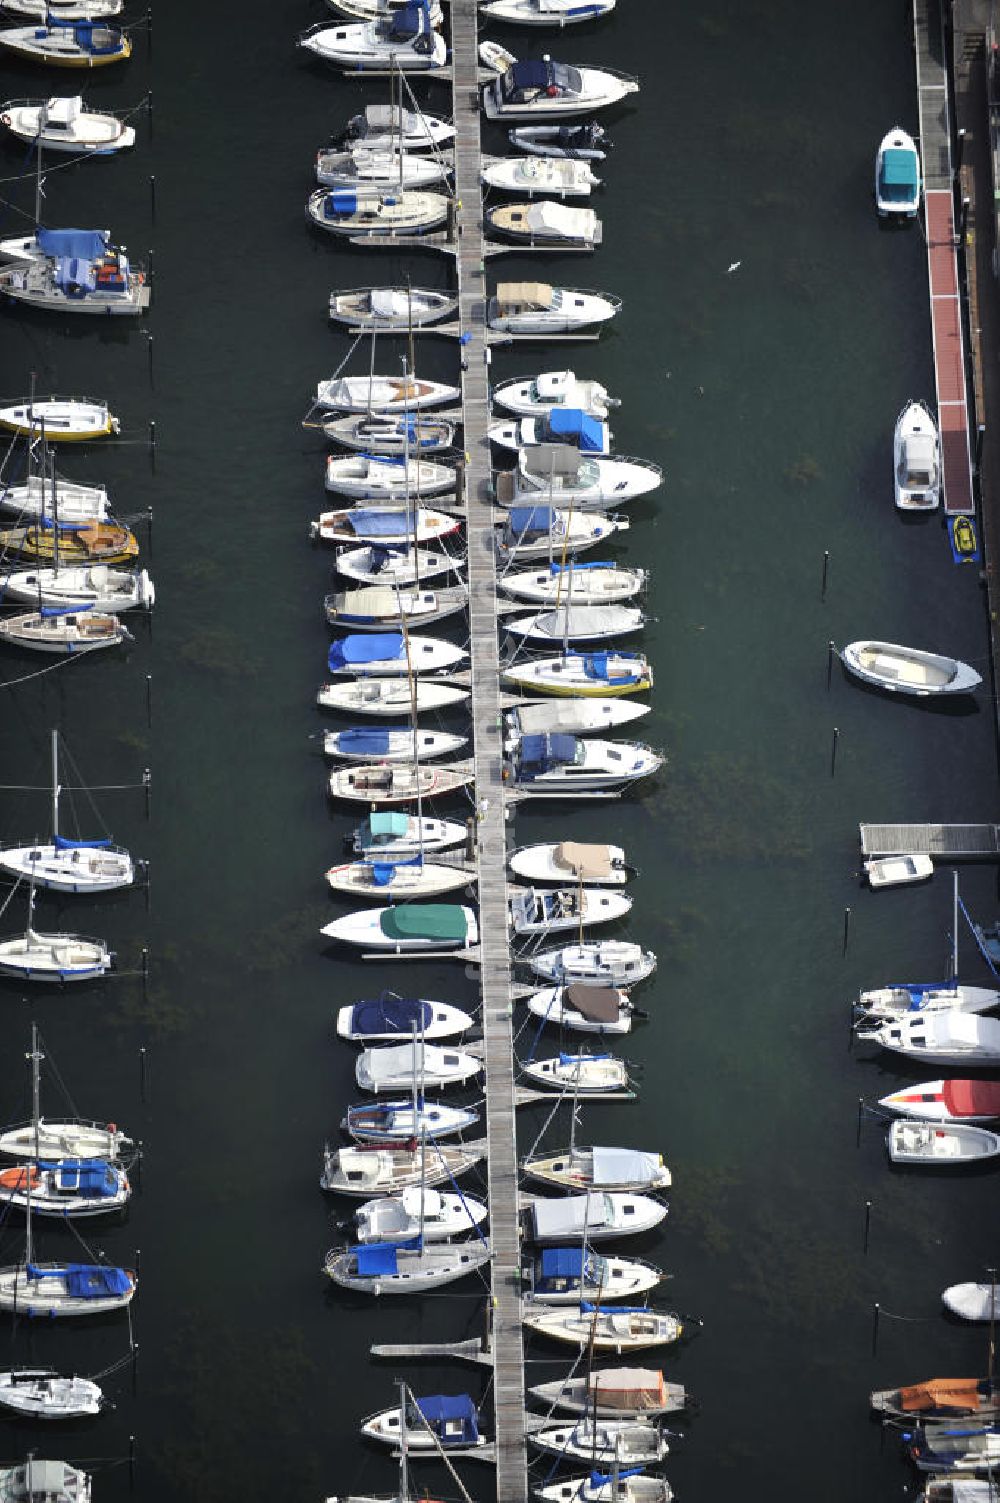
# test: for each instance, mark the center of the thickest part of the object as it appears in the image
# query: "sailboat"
(617, 1329)
(53, 957)
(387, 1171)
(634, 1442)
(590, 1169)
(600, 1487)
(62, 1138)
(614, 1392)
(565, 1275)
(45, 1482)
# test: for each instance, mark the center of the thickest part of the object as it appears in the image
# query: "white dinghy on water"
(398, 1218)
(535, 396)
(40, 1393)
(935, 1145)
(916, 459)
(897, 871)
(908, 670)
(61, 124)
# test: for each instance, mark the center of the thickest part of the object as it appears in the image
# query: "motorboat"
(577, 623)
(63, 420)
(404, 40)
(581, 674)
(972, 1301)
(582, 143)
(396, 1067)
(577, 717)
(625, 1441)
(392, 654)
(86, 543)
(947, 1101)
(386, 1171)
(406, 927)
(55, 1290)
(372, 211)
(579, 1074)
(366, 477)
(412, 878)
(942, 1038)
(396, 308)
(907, 670)
(895, 871)
(395, 564)
(40, 1481)
(598, 1217)
(616, 1329)
(613, 1391)
(383, 697)
(897, 176)
(389, 743)
(442, 1422)
(565, 1275)
(389, 1268)
(609, 962)
(538, 174)
(382, 783)
(64, 630)
(109, 286)
(916, 459)
(539, 308)
(906, 1000)
(398, 1122)
(68, 44)
(373, 167)
(957, 1488)
(386, 125)
(949, 1397)
(541, 89)
(935, 1144)
(37, 499)
(65, 10)
(383, 526)
(383, 394)
(600, 1169)
(584, 1009)
(40, 1393)
(395, 834)
(373, 10)
(389, 1018)
(546, 12)
(944, 1446)
(546, 223)
(560, 860)
(416, 434)
(82, 587)
(558, 474)
(66, 1188)
(539, 531)
(536, 396)
(561, 425)
(65, 124)
(574, 766)
(608, 1487)
(548, 910)
(436, 1215)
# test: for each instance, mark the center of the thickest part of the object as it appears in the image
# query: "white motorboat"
(382, 783)
(387, 1268)
(902, 1001)
(941, 1446)
(383, 394)
(562, 860)
(69, 1188)
(577, 717)
(382, 607)
(600, 1169)
(64, 630)
(65, 44)
(609, 962)
(389, 744)
(566, 1275)
(389, 1018)
(110, 286)
(611, 1330)
(574, 766)
(579, 1074)
(82, 587)
(64, 420)
(395, 834)
(561, 425)
(386, 125)
(367, 478)
(613, 1391)
(581, 143)
(65, 10)
(406, 1120)
(916, 459)
(373, 167)
(55, 1290)
(407, 927)
(389, 654)
(584, 1009)
(540, 89)
(625, 1441)
(535, 910)
(577, 623)
(942, 1038)
(373, 211)
(65, 124)
(436, 1215)
(907, 670)
(373, 10)
(45, 1482)
(540, 531)
(972, 1301)
(602, 1487)
(385, 1171)
(404, 41)
(432, 1066)
(564, 178)
(399, 881)
(598, 1217)
(936, 1144)
(443, 1422)
(546, 223)
(946, 1488)
(895, 871)
(539, 308)
(555, 473)
(897, 176)
(947, 1101)
(373, 696)
(384, 526)
(582, 674)
(535, 396)
(72, 504)
(416, 434)
(40, 1393)
(394, 308)
(546, 12)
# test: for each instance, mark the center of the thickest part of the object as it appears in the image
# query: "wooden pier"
(497, 1004)
(943, 842)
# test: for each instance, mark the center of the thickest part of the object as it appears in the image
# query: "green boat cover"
(442, 921)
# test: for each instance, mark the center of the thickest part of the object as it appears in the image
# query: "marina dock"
(944, 842)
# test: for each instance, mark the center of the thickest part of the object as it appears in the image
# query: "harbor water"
(768, 393)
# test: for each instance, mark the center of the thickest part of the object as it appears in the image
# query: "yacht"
(943, 1038)
(539, 308)
(68, 44)
(64, 630)
(406, 927)
(609, 962)
(365, 166)
(394, 308)
(40, 1481)
(378, 607)
(384, 526)
(581, 674)
(535, 396)
(387, 1122)
(387, 125)
(916, 459)
(386, 1171)
(897, 176)
(570, 766)
(111, 285)
(626, 1442)
(443, 1422)
(597, 1216)
(72, 1188)
(578, 717)
(577, 623)
(63, 420)
(560, 861)
(389, 653)
(580, 143)
(609, 1169)
(405, 40)
(61, 124)
(374, 211)
(538, 911)
(546, 223)
(541, 531)
(383, 697)
(583, 1009)
(563, 425)
(557, 474)
(541, 89)
(419, 433)
(395, 835)
(363, 477)
(933, 1145)
(580, 1074)
(436, 1215)
(597, 583)
(389, 1018)
(546, 12)
(82, 587)
(537, 174)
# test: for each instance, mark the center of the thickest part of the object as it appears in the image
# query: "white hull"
(552, 1006)
(894, 1002)
(547, 13)
(64, 126)
(603, 1217)
(360, 879)
(938, 1145)
(592, 484)
(54, 957)
(531, 396)
(369, 566)
(580, 1073)
(383, 394)
(435, 1066)
(551, 910)
(624, 1170)
(361, 46)
(42, 1394)
(619, 1279)
(569, 532)
(65, 636)
(946, 1101)
(386, 125)
(897, 871)
(444, 1022)
(423, 433)
(74, 503)
(554, 862)
(386, 1428)
(597, 90)
(65, 419)
(901, 201)
(605, 1331)
(916, 460)
(972, 1301)
(421, 833)
(52, 1297)
(577, 623)
(417, 1269)
(597, 586)
(640, 1489)
(606, 963)
(70, 870)
(382, 784)
(82, 587)
(386, 697)
(394, 307)
(623, 1441)
(364, 479)
(598, 1394)
(397, 1218)
(365, 929)
(560, 310)
(426, 655)
(907, 670)
(377, 212)
(48, 1200)
(577, 717)
(585, 674)
(362, 168)
(389, 1122)
(35, 287)
(395, 526)
(531, 174)
(65, 1140)
(942, 1038)
(400, 746)
(59, 48)
(384, 1171)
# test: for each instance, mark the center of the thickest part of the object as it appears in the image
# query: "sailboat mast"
(36, 1110)
(55, 501)
(954, 927)
(404, 1476)
(423, 1187)
(55, 783)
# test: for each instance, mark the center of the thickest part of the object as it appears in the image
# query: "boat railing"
(608, 297)
(645, 464)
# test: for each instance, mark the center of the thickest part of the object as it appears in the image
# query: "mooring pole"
(847, 928)
(826, 570)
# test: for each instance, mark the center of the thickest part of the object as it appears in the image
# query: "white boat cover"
(389, 302)
(557, 716)
(920, 450)
(397, 1060)
(373, 600)
(617, 1166)
(411, 1198)
(559, 219)
(570, 1217)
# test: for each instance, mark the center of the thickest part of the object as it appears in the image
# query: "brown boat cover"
(598, 1003)
(585, 860)
(539, 294)
(629, 1388)
(972, 1098)
(940, 1393)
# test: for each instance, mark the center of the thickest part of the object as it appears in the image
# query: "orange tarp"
(940, 1393)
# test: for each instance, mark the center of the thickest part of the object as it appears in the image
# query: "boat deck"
(943, 842)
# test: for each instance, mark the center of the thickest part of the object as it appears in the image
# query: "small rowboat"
(908, 670)
(940, 1146)
(894, 871)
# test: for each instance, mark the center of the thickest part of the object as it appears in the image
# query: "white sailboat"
(40, 1393)
(590, 584)
(567, 1275)
(577, 623)
(614, 1392)
(363, 166)
(600, 1217)
(381, 607)
(61, 1139)
(385, 696)
(383, 394)
(389, 124)
(530, 532)
(394, 1067)
(40, 1481)
(414, 878)
(388, 1268)
(609, 1169)
(82, 587)
(363, 477)
(372, 211)
(397, 308)
(66, 631)
(577, 717)
(584, 1009)
(578, 1073)
(602, 1487)
(374, 434)
(395, 835)
(616, 1329)
(582, 674)
(631, 1442)
(386, 1171)
(382, 784)
(390, 744)
(63, 420)
(53, 957)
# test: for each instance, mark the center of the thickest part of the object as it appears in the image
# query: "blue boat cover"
(596, 666)
(532, 74)
(62, 844)
(390, 1015)
(366, 740)
(86, 1280)
(601, 1479)
(573, 422)
(365, 649)
(90, 1177)
(531, 518)
(457, 1411)
(343, 202)
(386, 458)
(89, 245)
(540, 752)
(562, 1262)
(388, 823)
(406, 22)
(377, 524)
(899, 169)
(383, 873)
(589, 1309)
(74, 276)
(555, 568)
(573, 1059)
(376, 1258)
(48, 611)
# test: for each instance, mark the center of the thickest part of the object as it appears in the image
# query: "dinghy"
(951, 1397)
(389, 1122)
(404, 41)
(383, 526)
(82, 587)
(389, 744)
(388, 1268)
(548, 910)
(533, 396)
(391, 783)
(892, 1002)
(581, 673)
(897, 176)
(598, 1217)
(363, 477)
(443, 1422)
(558, 861)
(380, 696)
(90, 543)
(610, 962)
(618, 1329)
(600, 1169)
(387, 125)
(604, 1487)
(384, 167)
(385, 1171)
(540, 531)
(40, 1393)
(429, 1066)
(561, 766)
(416, 434)
(373, 211)
(562, 425)
(916, 459)
(907, 670)
(397, 835)
(894, 871)
(392, 307)
(555, 472)
(42, 500)
(61, 124)
(584, 1009)
(947, 1101)
(611, 1391)
(545, 223)
(389, 1018)
(434, 1214)
(111, 285)
(935, 1145)
(407, 927)
(64, 420)
(383, 394)
(578, 1073)
(944, 1038)
(576, 717)
(582, 143)
(67, 1188)
(68, 44)
(578, 623)
(389, 653)
(566, 179)
(539, 308)
(413, 878)
(64, 630)
(972, 1301)
(627, 1442)
(540, 89)
(565, 1275)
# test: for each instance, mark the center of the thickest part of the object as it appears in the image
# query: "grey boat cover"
(566, 1218)
(583, 860)
(618, 1166)
(601, 1004)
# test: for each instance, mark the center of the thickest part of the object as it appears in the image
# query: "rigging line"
(444, 1455)
(54, 1071)
(12, 683)
(82, 785)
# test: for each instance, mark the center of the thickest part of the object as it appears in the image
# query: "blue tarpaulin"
(532, 74)
(547, 750)
(74, 276)
(89, 245)
(452, 1417)
(562, 1263)
(573, 422)
(344, 202)
(391, 1015)
(86, 1280)
(365, 649)
(601, 1479)
(388, 822)
(379, 524)
(406, 22)
(531, 518)
(376, 1258)
(89, 1177)
(555, 568)
(61, 844)
(364, 740)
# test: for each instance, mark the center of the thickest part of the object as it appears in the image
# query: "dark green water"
(769, 397)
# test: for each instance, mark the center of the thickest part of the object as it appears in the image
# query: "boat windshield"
(567, 79)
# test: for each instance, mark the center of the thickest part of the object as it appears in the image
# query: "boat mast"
(38, 176)
(36, 1062)
(404, 1476)
(413, 726)
(423, 1187)
(954, 928)
(55, 783)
